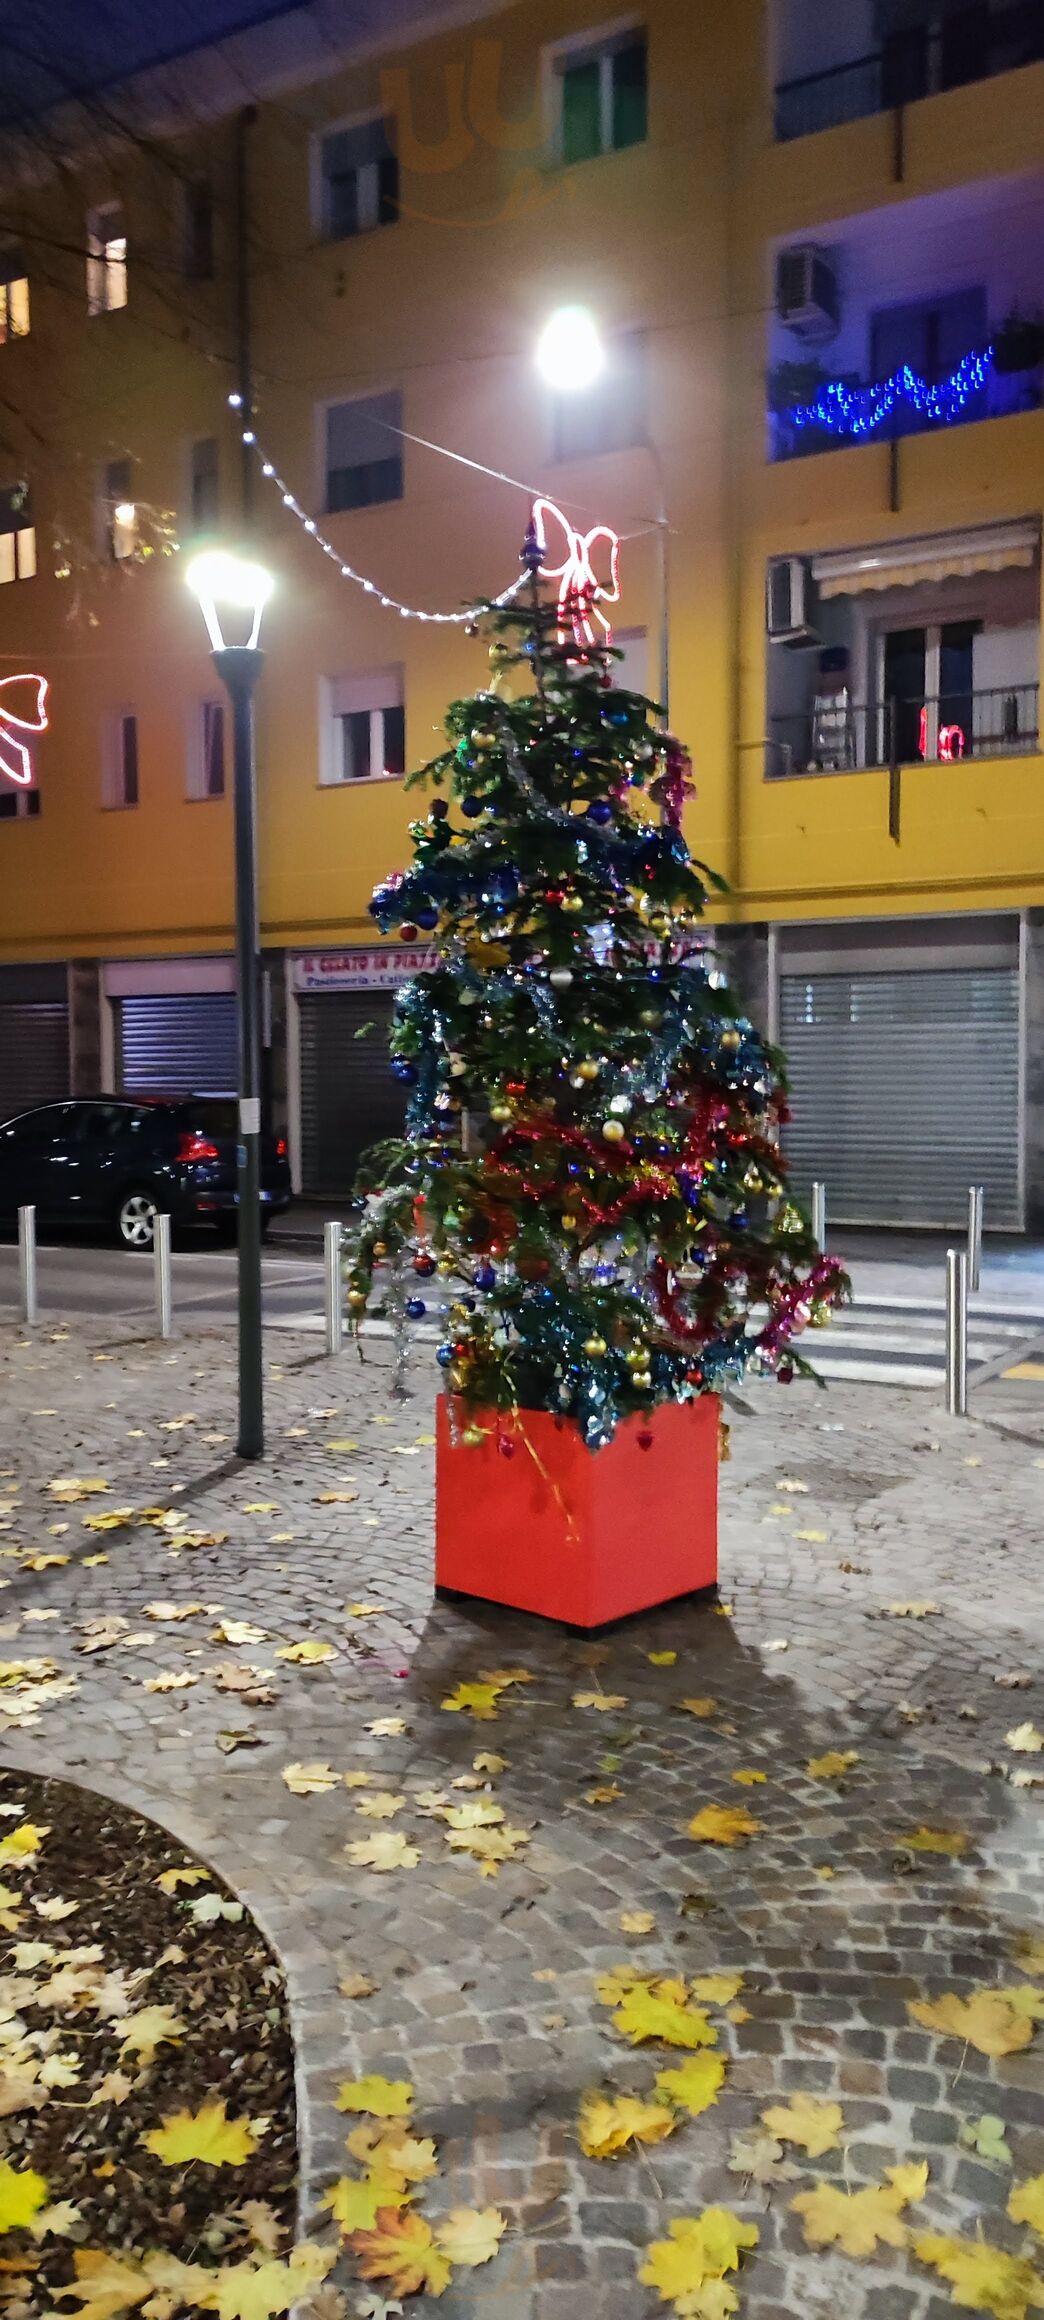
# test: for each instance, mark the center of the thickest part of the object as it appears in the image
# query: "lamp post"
(570, 355)
(226, 584)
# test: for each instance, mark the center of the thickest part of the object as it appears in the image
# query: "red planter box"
(573, 1534)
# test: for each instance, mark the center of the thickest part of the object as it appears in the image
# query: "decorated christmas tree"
(589, 1195)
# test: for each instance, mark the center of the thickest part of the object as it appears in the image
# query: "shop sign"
(382, 968)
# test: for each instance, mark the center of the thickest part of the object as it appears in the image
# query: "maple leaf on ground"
(386, 1727)
(1029, 1949)
(262, 2223)
(480, 1814)
(910, 1610)
(983, 2278)
(172, 1680)
(256, 2291)
(56, 2222)
(717, 1989)
(21, 2089)
(700, 1707)
(21, 1843)
(390, 2153)
(952, 1842)
(310, 1779)
(170, 1879)
(722, 1824)
(856, 2221)
(207, 2134)
(508, 1675)
(760, 2158)
(636, 1921)
(608, 2123)
(832, 1766)
(489, 1847)
(307, 1653)
(401, 2249)
(984, 2021)
(470, 2235)
(661, 2011)
(105, 2284)
(604, 1701)
(238, 1631)
(10, 1908)
(477, 1700)
(694, 2086)
(1025, 1739)
(151, 2027)
(354, 1985)
(210, 1907)
(353, 2203)
(381, 1806)
(700, 2249)
(610, 1987)
(1026, 2204)
(814, 2125)
(114, 2088)
(986, 2136)
(22, 2194)
(382, 2098)
(389, 1849)
(1024, 1998)
(489, 1763)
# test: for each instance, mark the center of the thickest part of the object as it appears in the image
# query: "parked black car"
(115, 1162)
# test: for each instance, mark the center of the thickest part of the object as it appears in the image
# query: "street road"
(98, 1278)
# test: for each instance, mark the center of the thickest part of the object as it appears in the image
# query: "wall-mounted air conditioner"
(807, 300)
(790, 601)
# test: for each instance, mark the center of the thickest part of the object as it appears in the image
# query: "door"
(932, 337)
(928, 691)
(349, 1099)
(177, 1043)
(904, 1091)
(903, 687)
(105, 1151)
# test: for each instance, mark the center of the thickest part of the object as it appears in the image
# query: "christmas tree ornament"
(613, 1131)
(416, 1308)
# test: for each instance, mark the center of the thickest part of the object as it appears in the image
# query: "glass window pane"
(213, 749)
(630, 95)
(355, 745)
(129, 748)
(394, 740)
(581, 111)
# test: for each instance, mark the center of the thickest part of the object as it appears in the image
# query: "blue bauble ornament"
(469, 1304)
(406, 1072)
(471, 806)
(416, 1308)
(444, 1355)
(427, 918)
(600, 811)
(485, 1277)
(544, 1295)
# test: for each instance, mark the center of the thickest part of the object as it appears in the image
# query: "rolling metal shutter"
(904, 1091)
(34, 1037)
(177, 1044)
(348, 1096)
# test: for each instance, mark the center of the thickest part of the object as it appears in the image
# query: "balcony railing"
(840, 736)
(991, 382)
(966, 43)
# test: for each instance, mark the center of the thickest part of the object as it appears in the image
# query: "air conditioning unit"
(790, 601)
(807, 300)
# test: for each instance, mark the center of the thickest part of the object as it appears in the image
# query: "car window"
(210, 1115)
(103, 1123)
(37, 1127)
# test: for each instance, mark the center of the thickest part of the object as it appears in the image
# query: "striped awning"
(941, 556)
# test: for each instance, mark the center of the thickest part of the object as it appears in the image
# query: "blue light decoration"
(861, 411)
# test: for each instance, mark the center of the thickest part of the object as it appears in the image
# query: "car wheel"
(136, 1220)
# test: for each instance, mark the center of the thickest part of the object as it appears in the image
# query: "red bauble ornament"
(645, 1441)
(554, 894)
(506, 1448)
(407, 931)
(424, 1264)
(516, 1087)
(785, 1374)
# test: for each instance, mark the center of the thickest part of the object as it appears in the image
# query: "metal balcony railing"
(839, 736)
(948, 51)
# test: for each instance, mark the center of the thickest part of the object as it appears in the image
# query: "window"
(602, 90)
(363, 728)
(611, 414)
(204, 485)
(207, 751)
(19, 805)
(120, 767)
(358, 180)
(197, 226)
(106, 259)
(363, 452)
(118, 513)
(14, 296)
(17, 534)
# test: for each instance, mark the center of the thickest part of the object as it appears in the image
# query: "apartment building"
(812, 242)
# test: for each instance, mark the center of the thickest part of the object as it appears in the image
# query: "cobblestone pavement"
(485, 1992)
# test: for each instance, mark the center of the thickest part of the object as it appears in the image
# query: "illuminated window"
(363, 734)
(359, 180)
(204, 484)
(120, 760)
(363, 451)
(118, 511)
(106, 258)
(602, 90)
(17, 534)
(206, 772)
(14, 296)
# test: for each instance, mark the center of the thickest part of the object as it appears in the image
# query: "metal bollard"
(27, 1264)
(819, 1215)
(332, 1278)
(161, 1274)
(976, 1195)
(957, 1333)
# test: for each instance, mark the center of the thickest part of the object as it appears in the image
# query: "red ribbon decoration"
(580, 591)
(15, 759)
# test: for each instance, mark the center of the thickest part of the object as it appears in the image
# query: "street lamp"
(570, 355)
(230, 585)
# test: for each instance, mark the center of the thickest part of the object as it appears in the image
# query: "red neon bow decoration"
(580, 592)
(15, 759)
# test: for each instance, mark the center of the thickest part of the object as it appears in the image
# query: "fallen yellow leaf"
(1026, 2204)
(832, 1766)
(806, 2120)
(382, 2098)
(719, 1824)
(984, 2021)
(401, 2248)
(694, 2085)
(857, 2220)
(608, 2123)
(700, 2249)
(952, 1842)
(470, 2235)
(983, 2278)
(207, 2134)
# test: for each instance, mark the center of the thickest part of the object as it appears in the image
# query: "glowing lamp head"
(125, 512)
(570, 351)
(225, 583)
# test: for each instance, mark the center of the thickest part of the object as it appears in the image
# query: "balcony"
(835, 735)
(947, 50)
(812, 412)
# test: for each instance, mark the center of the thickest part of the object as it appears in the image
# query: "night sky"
(51, 49)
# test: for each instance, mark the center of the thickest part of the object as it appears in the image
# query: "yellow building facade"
(813, 254)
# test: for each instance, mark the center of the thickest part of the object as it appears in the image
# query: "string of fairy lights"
(292, 504)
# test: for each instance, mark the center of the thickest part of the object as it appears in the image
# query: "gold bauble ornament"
(613, 1131)
(820, 1317)
(731, 1038)
(595, 1346)
(589, 1069)
(445, 1265)
(473, 1436)
(380, 1248)
(637, 1357)
(483, 740)
(573, 903)
(570, 1224)
(500, 1112)
(642, 1381)
(752, 1181)
(356, 1298)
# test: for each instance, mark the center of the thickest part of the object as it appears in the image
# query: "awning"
(941, 556)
